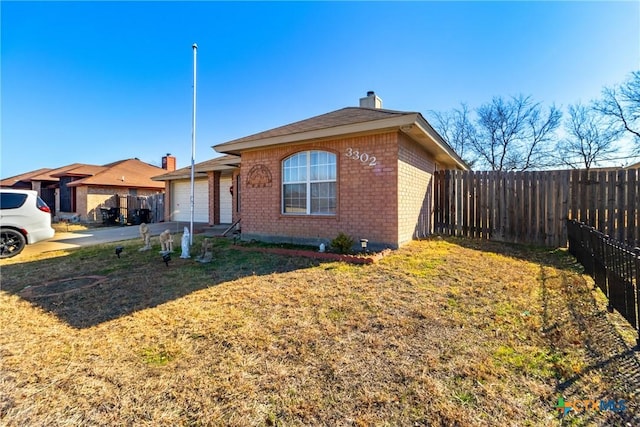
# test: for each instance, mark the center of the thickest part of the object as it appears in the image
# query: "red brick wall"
(90, 199)
(235, 213)
(169, 163)
(367, 205)
(214, 197)
(167, 201)
(82, 204)
(415, 191)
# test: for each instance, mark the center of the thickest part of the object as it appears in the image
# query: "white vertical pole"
(193, 142)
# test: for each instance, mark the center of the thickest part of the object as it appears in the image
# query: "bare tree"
(456, 129)
(621, 104)
(590, 137)
(514, 134)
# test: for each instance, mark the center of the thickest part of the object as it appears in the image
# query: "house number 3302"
(364, 158)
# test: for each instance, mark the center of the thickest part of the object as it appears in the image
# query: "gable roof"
(25, 177)
(52, 174)
(349, 121)
(80, 170)
(125, 173)
(222, 163)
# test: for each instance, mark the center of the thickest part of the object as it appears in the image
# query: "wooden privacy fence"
(614, 266)
(532, 207)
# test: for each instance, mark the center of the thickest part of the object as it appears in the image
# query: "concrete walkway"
(95, 236)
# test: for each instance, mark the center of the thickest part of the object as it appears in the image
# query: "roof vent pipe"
(371, 101)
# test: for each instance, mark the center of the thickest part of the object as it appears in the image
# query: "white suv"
(24, 218)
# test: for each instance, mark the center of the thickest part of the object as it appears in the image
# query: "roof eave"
(422, 132)
(236, 148)
(172, 176)
(186, 173)
(111, 184)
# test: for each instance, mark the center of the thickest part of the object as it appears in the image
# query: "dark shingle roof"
(342, 117)
(226, 162)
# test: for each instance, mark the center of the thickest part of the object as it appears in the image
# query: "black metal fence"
(614, 266)
(122, 210)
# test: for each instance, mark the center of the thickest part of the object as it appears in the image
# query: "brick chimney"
(169, 163)
(371, 101)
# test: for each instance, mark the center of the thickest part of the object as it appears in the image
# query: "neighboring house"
(633, 166)
(22, 181)
(212, 189)
(81, 190)
(366, 172)
(42, 181)
(84, 190)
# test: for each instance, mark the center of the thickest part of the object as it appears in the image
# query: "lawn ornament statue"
(166, 241)
(185, 244)
(146, 237)
(166, 257)
(206, 253)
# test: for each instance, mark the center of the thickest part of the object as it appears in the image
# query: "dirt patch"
(60, 287)
(369, 258)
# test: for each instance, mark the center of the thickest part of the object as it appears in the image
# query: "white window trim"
(307, 183)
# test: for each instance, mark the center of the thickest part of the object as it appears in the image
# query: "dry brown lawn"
(441, 332)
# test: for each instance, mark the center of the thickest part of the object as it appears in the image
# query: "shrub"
(342, 243)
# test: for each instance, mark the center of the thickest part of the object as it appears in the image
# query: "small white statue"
(185, 244)
(166, 241)
(146, 237)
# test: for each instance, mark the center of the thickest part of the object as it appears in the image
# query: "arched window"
(309, 183)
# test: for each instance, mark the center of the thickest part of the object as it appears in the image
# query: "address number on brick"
(364, 158)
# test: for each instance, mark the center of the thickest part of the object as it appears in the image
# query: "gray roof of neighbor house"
(222, 163)
(350, 121)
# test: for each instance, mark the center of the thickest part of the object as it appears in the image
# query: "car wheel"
(12, 242)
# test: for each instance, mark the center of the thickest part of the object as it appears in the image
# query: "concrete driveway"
(95, 236)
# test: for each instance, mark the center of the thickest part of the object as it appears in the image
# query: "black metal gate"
(614, 266)
(49, 197)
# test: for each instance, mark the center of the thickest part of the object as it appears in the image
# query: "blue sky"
(96, 82)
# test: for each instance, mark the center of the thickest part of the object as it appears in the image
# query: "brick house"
(80, 190)
(85, 189)
(364, 171)
(212, 201)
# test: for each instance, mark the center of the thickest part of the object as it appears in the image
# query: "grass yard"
(441, 332)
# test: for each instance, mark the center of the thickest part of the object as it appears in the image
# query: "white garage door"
(226, 203)
(181, 201)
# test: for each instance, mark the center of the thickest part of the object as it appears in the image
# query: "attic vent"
(371, 101)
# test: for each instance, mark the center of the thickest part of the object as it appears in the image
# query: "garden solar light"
(119, 250)
(363, 243)
(166, 257)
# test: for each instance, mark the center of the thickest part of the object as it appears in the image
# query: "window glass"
(323, 198)
(295, 168)
(295, 198)
(309, 183)
(12, 200)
